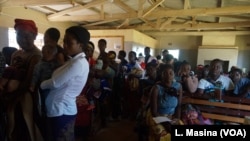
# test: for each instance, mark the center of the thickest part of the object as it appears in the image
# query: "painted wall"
(188, 45)
(225, 40)
(243, 42)
(4, 38)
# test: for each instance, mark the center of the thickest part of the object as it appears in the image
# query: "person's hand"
(90, 107)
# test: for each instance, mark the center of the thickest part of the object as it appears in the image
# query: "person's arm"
(241, 89)
(153, 101)
(192, 83)
(63, 74)
(246, 91)
(201, 86)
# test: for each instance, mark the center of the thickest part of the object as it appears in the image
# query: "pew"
(231, 109)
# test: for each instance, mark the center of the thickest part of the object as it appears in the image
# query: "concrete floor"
(116, 131)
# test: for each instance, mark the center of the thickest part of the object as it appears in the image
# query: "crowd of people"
(64, 93)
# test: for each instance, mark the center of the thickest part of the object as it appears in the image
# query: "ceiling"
(146, 15)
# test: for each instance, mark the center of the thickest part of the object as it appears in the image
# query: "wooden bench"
(232, 109)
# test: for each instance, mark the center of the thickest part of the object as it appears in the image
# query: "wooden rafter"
(34, 2)
(124, 6)
(101, 22)
(161, 12)
(199, 26)
(152, 7)
(167, 22)
(77, 8)
(125, 23)
(187, 4)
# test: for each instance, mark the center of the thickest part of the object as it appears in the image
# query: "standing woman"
(26, 32)
(66, 84)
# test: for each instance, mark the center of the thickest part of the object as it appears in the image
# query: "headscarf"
(27, 25)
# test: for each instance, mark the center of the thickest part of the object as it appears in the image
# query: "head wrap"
(82, 35)
(27, 25)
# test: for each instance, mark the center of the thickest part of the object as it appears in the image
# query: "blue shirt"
(241, 85)
(167, 102)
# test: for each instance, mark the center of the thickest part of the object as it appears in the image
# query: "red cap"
(28, 25)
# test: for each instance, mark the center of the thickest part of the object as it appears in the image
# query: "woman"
(165, 101)
(66, 84)
(166, 95)
(26, 32)
(207, 85)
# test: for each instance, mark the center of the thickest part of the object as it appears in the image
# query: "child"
(43, 70)
(242, 84)
(12, 76)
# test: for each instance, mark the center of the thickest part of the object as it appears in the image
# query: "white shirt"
(65, 85)
(226, 83)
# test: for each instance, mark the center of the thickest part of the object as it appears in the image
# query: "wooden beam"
(123, 6)
(77, 8)
(200, 26)
(152, 7)
(148, 22)
(223, 117)
(14, 3)
(167, 22)
(140, 8)
(102, 13)
(195, 33)
(158, 14)
(97, 17)
(50, 9)
(125, 23)
(101, 22)
(187, 4)
(217, 104)
(233, 10)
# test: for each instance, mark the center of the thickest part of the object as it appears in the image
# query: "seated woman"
(165, 101)
(166, 95)
(207, 85)
(242, 84)
(187, 78)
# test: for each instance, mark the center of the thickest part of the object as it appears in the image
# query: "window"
(12, 39)
(174, 52)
